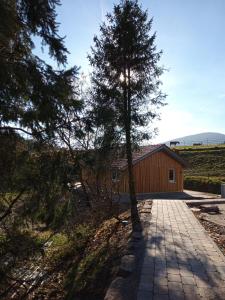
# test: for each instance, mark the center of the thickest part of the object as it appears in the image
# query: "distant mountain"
(204, 138)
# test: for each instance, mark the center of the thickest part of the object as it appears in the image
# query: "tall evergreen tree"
(32, 94)
(125, 78)
(34, 99)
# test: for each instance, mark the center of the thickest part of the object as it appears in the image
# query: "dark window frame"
(115, 176)
(172, 175)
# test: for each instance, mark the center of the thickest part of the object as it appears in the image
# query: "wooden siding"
(152, 175)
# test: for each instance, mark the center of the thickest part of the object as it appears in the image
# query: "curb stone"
(114, 291)
(128, 262)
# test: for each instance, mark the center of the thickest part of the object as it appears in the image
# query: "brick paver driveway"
(181, 261)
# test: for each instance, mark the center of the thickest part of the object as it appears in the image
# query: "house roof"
(146, 151)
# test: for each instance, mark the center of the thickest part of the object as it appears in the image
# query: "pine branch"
(9, 209)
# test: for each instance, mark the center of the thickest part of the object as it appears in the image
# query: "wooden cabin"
(156, 168)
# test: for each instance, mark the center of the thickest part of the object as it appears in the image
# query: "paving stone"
(173, 286)
(172, 264)
(201, 276)
(148, 271)
(220, 293)
(208, 293)
(144, 295)
(173, 271)
(180, 258)
(161, 280)
(160, 264)
(127, 263)
(147, 279)
(201, 283)
(161, 297)
(193, 296)
(161, 272)
(215, 282)
(188, 280)
(221, 269)
(161, 290)
(176, 295)
(185, 266)
(174, 278)
(115, 289)
(190, 289)
(197, 268)
(186, 273)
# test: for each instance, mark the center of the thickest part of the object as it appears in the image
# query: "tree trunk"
(135, 219)
(136, 223)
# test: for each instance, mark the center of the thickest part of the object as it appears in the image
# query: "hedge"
(203, 184)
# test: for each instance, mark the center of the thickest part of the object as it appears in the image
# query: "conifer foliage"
(32, 94)
(126, 86)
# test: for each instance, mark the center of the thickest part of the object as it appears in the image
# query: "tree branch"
(9, 209)
(15, 128)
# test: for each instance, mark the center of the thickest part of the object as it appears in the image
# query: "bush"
(203, 184)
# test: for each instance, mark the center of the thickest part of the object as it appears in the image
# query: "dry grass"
(78, 266)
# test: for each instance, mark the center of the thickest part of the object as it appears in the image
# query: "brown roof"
(146, 151)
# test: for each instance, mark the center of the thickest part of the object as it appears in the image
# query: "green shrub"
(206, 163)
(203, 184)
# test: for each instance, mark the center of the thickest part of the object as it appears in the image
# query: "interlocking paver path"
(181, 260)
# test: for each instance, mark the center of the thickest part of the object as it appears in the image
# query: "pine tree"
(32, 94)
(125, 79)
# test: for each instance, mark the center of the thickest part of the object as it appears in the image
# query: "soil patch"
(81, 268)
(214, 224)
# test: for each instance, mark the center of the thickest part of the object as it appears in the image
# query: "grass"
(82, 277)
(200, 147)
(204, 184)
(206, 167)
(80, 264)
(209, 163)
(88, 278)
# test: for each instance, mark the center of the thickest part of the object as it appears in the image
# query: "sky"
(190, 33)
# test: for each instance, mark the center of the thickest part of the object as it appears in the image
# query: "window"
(115, 175)
(172, 176)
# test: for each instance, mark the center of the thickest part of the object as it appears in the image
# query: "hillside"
(205, 162)
(201, 138)
(206, 167)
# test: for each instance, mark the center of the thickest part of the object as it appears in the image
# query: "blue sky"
(191, 35)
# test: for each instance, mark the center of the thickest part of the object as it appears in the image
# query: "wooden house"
(156, 168)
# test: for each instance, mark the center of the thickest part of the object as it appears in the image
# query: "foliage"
(80, 264)
(45, 222)
(125, 82)
(33, 96)
(206, 162)
(200, 147)
(203, 184)
(36, 101)
(206, 167)
(87, 278)
(125, 60)
(42, 173)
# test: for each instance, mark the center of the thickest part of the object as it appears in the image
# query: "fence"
(198, 142)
